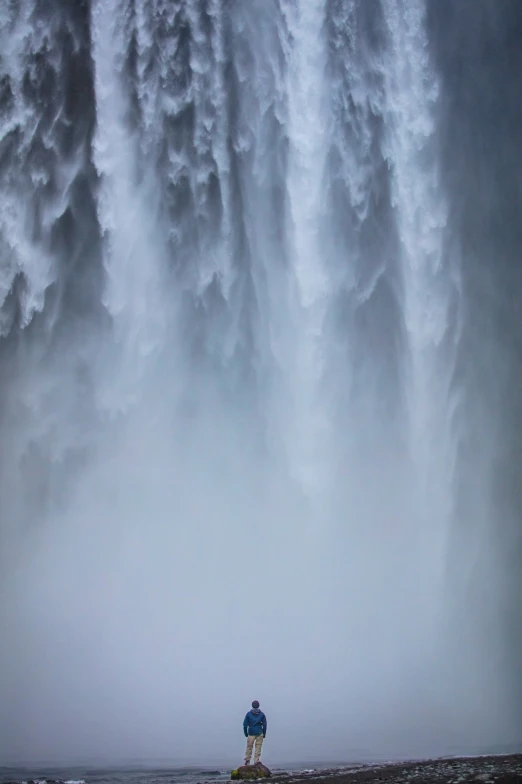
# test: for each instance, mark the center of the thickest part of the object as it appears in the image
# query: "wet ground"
(487, 770)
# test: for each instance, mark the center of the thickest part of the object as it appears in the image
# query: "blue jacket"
(254, 723)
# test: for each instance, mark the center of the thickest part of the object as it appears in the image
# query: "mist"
(259, 361)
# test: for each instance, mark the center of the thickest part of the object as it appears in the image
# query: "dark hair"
(255, 704)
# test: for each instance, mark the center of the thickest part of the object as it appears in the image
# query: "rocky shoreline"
(505, 769)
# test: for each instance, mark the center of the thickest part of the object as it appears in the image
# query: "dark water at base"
(142, 774)
(92, 775)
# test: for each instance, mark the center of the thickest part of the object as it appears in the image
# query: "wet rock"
(250, 772)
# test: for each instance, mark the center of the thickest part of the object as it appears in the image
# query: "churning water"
(234, 402)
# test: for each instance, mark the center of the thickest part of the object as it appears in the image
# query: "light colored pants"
(258, 740)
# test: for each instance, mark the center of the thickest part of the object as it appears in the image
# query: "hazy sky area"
(260, 364)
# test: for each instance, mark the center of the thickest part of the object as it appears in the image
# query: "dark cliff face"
(476, 49)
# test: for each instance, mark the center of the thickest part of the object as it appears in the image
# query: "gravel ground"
(488, 770)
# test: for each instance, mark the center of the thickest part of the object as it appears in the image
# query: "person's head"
(255, 704)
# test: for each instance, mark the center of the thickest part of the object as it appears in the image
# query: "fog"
(258, 361)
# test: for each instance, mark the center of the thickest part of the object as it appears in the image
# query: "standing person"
(254, 727)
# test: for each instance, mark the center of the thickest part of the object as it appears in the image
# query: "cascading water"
(231, 408)
(430, 287)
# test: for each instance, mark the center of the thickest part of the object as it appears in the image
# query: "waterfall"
(233, 405)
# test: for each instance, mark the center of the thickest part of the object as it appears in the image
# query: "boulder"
(248, 772)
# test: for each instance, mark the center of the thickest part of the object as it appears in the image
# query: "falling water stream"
(232, 415)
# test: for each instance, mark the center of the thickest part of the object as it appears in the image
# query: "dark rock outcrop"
(249, 772)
